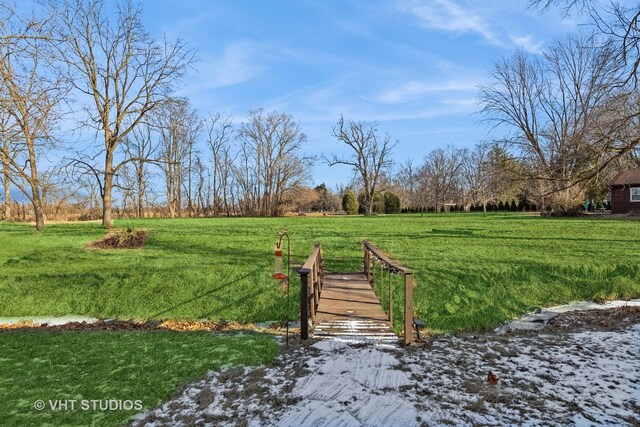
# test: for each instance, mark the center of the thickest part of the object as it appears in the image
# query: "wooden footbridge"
(345, 306)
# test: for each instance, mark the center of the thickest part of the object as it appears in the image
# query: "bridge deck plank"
(349, 297)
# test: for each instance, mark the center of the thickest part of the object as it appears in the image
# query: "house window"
(635, 194)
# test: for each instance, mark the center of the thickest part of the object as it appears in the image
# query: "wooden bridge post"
(304, 303)
(310, 291)
(311, 301)
(408, 312)
(315, 288)
(390, 300)
(320, 269)
(366, 261)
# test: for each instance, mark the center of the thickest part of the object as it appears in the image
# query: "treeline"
(562, 123)
(250, 169)
(94, 61)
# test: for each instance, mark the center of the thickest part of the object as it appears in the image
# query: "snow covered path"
(350, 385)
(583, 375)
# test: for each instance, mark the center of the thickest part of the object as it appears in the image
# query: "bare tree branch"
(370, 154)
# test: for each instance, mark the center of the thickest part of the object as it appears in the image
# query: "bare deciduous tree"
(407, 181)
(120, 67)
(141, 150)
(219, 132)
(613, 19)
(269, 167)
(439, 176)
(563, 114)
(7, 136)
(178, 125)
(475, 172)
(202, 191)
(30, 91)
(371, 154)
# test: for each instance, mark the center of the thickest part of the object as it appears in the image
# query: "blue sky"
(412, 66)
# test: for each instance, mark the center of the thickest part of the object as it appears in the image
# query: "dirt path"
(581, 369)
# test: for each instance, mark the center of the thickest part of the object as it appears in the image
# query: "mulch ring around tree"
(121, 239)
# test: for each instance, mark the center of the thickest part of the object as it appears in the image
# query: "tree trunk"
(189, 192)
(7, 191)
(140, 190)
(216, 202)
(37, 211)
(108, 186)
(34, 182)
(178, 189)
(140, 210)
(484, 204)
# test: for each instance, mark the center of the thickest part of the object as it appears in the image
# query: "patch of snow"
(551, 378)
(49, 320)
(330, 345)
(536, 321)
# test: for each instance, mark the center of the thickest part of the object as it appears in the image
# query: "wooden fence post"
(304, 303)
(408, 312)
(390, 300)
(366, 262)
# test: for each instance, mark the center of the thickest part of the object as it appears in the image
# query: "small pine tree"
(391, 203)
(362, 203)
(378, 203)
(514, 206)
(350, 203)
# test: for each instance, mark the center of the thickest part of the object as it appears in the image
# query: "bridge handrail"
(311, 261)
(311, 277)
(395, 266)
(371, 254)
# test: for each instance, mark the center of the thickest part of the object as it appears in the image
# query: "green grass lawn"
(123, 366)
(473, 272)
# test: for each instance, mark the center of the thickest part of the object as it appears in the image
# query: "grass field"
(472, 272)
(120, 366)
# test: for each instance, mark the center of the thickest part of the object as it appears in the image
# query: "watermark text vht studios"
(59, 405)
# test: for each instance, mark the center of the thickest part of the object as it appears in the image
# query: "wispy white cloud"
(527, 43)
(413, 89)
(236, 65)
(239, 62)
(447, 15)
(481, 18)
(463, 103)
(318, 93)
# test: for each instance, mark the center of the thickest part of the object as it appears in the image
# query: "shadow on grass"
(205, 294)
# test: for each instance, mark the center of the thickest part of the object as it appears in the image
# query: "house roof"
(631, 176)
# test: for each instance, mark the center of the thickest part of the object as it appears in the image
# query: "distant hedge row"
(383, 203)
(512, 206)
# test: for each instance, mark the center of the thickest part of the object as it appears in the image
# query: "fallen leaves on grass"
(132, 325)
(19, 325)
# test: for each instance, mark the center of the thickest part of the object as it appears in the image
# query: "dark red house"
(625, 192)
